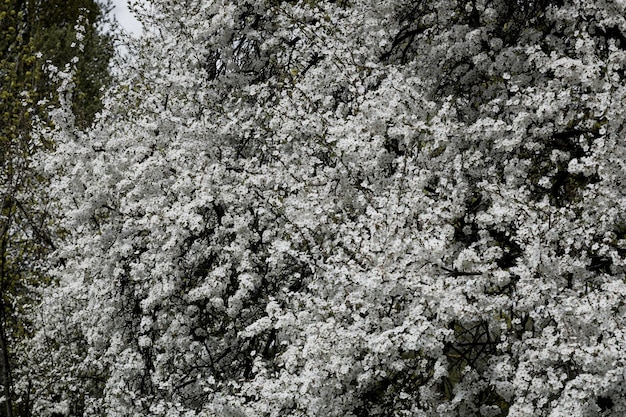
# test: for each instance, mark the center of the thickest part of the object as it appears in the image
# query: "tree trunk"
(6, 367)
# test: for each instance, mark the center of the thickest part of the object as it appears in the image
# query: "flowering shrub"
(348, 209)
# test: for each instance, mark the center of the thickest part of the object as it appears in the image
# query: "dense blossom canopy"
(347, 208)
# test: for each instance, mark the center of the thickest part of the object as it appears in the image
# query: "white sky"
(125, 18)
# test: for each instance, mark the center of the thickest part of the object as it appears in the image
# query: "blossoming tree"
(348, 208)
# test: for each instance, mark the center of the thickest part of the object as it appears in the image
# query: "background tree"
(33, 36)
